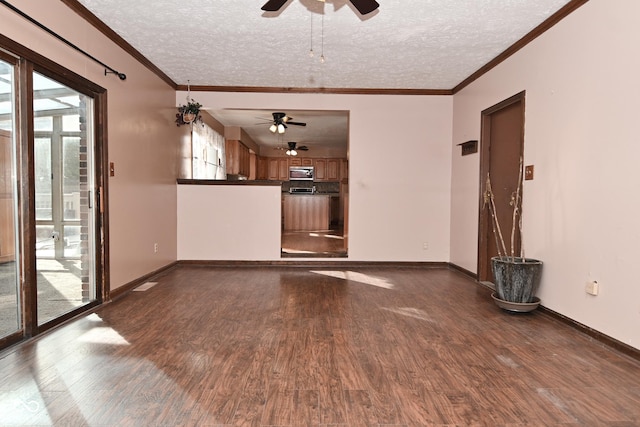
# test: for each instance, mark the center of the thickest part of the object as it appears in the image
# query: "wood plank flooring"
(318, 243)
(279, 346)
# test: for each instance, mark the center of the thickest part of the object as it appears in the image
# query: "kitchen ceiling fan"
(293, 151)
(363, 6)
(280, 122)
(292, 148)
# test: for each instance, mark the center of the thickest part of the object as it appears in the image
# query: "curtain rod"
(107, 69)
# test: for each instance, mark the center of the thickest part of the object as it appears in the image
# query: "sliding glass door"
(64, 198)
(52, 228)
(10, 303)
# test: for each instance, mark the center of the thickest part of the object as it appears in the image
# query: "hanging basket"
(188, 117)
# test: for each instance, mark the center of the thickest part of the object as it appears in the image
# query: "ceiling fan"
(280, 122)
(292, 148)
(293, 151)
(363, 6)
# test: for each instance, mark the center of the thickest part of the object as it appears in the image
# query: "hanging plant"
(189, 113)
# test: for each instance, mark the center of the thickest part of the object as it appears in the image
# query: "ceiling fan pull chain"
(322, 41)
(311, 35)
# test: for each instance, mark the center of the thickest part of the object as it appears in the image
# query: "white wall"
(581, 210)
(142, 138)
(224, 222)
(399, 168)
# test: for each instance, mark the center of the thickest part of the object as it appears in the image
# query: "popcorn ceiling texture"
(406, 44)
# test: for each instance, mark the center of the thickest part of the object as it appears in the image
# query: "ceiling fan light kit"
(363, 6)
(280, 121)
(292, 148)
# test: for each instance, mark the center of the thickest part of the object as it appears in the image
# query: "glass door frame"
(27, 62)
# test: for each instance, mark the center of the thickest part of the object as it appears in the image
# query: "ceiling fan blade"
(365, 6)
(296, 123)
(303, 148)
(273, 5)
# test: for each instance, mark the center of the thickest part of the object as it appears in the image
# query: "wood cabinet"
(238, 158)
(320, 169)
(263, 168)
(333, 170)
(303, 212)
(277, 169)
(327, 169)
(300, 161)
(344, 170)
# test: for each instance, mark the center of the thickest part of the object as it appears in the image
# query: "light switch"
(528, 172)
(112, 169)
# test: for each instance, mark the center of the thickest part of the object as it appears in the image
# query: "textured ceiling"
(405, 44)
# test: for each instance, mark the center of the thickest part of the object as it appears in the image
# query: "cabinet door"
(263, 168)
(333, 170)
(344, 170)
(232, 155)
(306, 161)
(245, 160)
(272, 169)
(296, 161)
(320, 166)
(283, 169)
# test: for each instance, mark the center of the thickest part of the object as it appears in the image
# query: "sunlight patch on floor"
(145, 286)
(103, 335)
(296, 251)
(367, 279)
(416, 313)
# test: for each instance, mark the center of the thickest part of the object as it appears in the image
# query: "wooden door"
(502, 144)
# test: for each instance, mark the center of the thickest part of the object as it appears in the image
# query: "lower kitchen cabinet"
(306, 212)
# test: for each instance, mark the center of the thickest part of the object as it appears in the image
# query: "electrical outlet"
(155, 248)
(425, 246)
(592, 288)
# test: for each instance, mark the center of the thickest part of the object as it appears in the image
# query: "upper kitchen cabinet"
(344, 170)
(327, 169)
(277, 169)
(320, 169)
(333, 170)
(238, 158)
(300, 161)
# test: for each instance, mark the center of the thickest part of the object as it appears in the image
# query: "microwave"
(300, 173)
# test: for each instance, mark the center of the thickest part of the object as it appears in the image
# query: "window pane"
(71, 170)
(42, 155)
(71, 123)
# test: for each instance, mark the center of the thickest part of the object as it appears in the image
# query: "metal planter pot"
(517, 279)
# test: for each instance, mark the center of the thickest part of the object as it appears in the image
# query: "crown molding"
(114, 37)
(529, 37)
(347, 91)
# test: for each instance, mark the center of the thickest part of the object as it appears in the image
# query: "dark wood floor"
(319, 243)
(292, 347)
